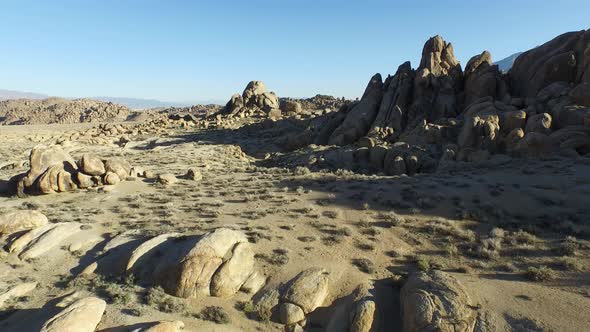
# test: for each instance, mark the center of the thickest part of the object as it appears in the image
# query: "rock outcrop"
(219, 263)
(254, 99)
(41, 240)
(81, 316)
(437, 113)
(299, 297)
(565, 58)
(53, 170)
(359, 119)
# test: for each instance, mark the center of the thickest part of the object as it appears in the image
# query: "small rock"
(167, 179)
(290, 313)
(111, 179)
(194, 174)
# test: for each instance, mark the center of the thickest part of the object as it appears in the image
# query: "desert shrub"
(301, 170)
(489, 248)
(522, 238)
(331, 214)
(570, 264)
(542, 273)
(214, 314)
(423, 263)
(568, 246)
(364, 265)
(158, 299)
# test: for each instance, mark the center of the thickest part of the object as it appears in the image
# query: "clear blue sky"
(200, 50)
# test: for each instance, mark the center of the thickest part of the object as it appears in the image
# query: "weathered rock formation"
(81, 316)
(300, 296)
(418, 119)
(254, 99)
(219, 263)
(435, 301)
(53, 170)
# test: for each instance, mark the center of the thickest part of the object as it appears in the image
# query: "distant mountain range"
(132, 103)
(504, 65)
(137, 103)
(10, 94)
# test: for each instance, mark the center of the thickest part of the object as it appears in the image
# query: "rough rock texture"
(194, 174)
(358, 121)
(255, 98)
(435, 301)
(234, 272)
(565, 58)
(300, 296)
(53, 170)
(308, 289)
(111, 179)
(438, 79)
(581, 93)
(407, 123)
(119, 166)
(392, 115)
(167, 179)
(146, 247)
(482, 79)
(41, 159)
(199, 265)
(290, 106)
(15, 221)
(92, 165)
(81, 316)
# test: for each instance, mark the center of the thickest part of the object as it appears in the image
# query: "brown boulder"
(92, 165)
(40, 160)
(119, 166)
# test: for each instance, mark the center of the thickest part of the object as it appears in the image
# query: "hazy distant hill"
(137, 103)
(10, 94)
(505, 64)
(132, 103)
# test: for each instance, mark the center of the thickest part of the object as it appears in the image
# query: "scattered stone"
(194, 174)
(167, 179)
(290, 313)
(111, 179)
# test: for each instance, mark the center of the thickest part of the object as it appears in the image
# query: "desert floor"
(486, 225)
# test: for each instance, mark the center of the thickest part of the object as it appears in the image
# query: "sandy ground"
(298, 220)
